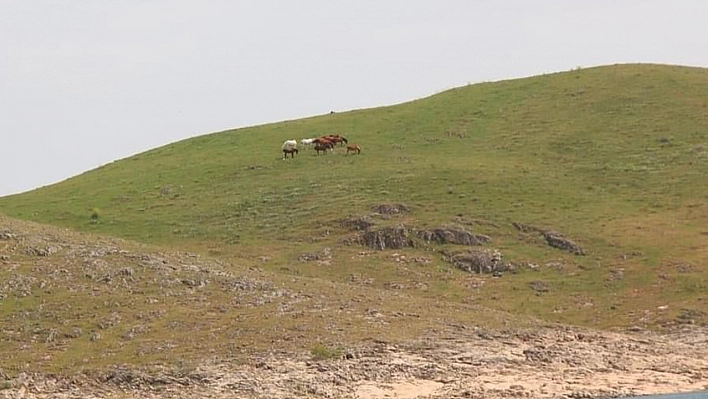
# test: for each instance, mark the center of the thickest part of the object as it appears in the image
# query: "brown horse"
(323, 140)
(291, 151)
(335, 138)
(323, 146)
(353, 148)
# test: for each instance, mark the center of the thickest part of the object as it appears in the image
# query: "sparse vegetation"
(323, 352)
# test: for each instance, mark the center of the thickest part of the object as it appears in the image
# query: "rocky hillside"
(84, 316)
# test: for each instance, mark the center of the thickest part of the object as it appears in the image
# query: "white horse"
(289, 145)
(307, 142)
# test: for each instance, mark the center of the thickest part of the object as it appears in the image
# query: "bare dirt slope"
(550, 363)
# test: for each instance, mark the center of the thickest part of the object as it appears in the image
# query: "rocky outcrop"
(552, 237)
(524, 228)
(396, 237)
(479, 261)
(6, 235)
(391, 209)
(539, 286)
(362, 223)
(400, 236)
(453, 236)
(557, 240)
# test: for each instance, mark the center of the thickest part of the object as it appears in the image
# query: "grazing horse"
(291, 151)
(324, 146)
(307, 142)
(324, 142)
(289, 144)
(335, 138)
(353, 148)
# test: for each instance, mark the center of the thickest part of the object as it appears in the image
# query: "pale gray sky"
(86, 82)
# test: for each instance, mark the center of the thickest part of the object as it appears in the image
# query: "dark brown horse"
(291, 151)
(323, 147)
(354, 148)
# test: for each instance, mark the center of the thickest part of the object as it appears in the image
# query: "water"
(691, 395)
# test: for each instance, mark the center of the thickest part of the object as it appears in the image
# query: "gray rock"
(363, 223)
(539, 286)
(453, 236)
(389, 237)
(478, 261)
(308, 257)
(6, 235)
(524, 228)
(557, 240)
(391, 209)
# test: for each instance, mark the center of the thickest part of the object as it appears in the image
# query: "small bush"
(322, 352)
(95, 215)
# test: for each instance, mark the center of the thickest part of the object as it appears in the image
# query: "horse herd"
(323, 144)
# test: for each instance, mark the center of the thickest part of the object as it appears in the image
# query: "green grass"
(324, 352)
(615, 157)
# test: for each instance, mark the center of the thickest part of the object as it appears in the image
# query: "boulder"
(389, 209)
(396, 237)
(362, 223)
(557, 240)
(6, 235)
(478, 261)
(453, 236)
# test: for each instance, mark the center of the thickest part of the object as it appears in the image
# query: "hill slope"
(613, 157)
(85, 316)
(69, 300)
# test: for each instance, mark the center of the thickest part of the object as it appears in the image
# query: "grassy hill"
(613, 157)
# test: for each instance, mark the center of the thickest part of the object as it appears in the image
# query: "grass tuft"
(324, 352)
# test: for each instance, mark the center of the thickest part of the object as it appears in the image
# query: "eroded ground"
(87, 317)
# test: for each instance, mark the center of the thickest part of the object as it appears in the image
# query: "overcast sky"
(86, 82)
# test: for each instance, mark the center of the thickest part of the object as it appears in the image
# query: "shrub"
(95, 215)
(322, 352)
